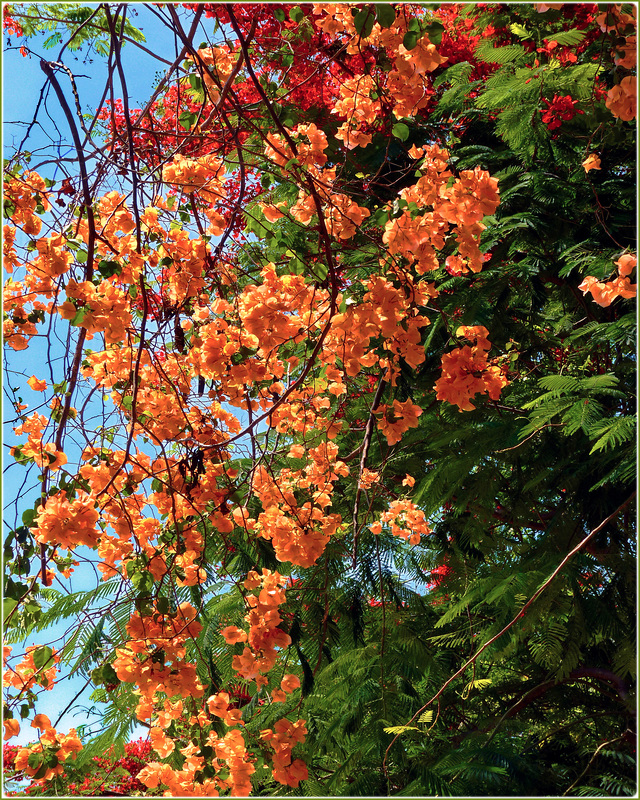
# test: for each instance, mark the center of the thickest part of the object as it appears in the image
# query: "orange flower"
(290, 683)
(151, 774)
(467, 372)
(398, 418)
(591, 162)
(626, 264)
(37, 384)
(605, 293)
(621, 99)
(368, 478)
(161, 743)
(70, 745)
(218, 704)
(11, 728)
(41, 721)
(233, 634)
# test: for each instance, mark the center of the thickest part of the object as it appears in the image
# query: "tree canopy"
(320, 375)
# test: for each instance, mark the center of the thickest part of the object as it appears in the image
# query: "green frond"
(509, 54)
(568, 38)
(612, 432)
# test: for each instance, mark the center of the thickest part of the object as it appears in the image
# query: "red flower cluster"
(115, 776)
(9, 24)
(559, 110)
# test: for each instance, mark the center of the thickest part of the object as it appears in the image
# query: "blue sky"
(23, 79)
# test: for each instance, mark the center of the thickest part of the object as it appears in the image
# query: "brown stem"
(368, 434)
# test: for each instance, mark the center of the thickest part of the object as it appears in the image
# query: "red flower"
(560, 109)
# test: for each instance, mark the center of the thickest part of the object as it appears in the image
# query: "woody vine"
(344, 425)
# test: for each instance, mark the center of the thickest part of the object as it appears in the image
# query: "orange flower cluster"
(203, 175)
(232, 762)
(435, 203)
(44, 455)
(405, 520)
(184, 277)
(307, 153)
(299, 531)
(355, 103)
(605, 293)
(67, 523)
(466, 371)
(397, 418)
(9, 256)
(368, 478)
(27, 675)
(405, 87)
(386, 311)
(21, 313)
(24, 194)
(264, 635)
(154, 659)
(51, 751)
(21, 298)
(283, 738)
(622, 98)
(105, 309)
(218, 63)
(279, 310)
(148, 509)
(342, 214)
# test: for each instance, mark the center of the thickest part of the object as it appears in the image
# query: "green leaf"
(380, 217)
(42, 656)
(385, 14)
(396, 729)
(500, 55)
(28, 517)
(410, 39)
(612, 432)
(163, 605)
(34, 760)
(435, 30)
(52, 41)
(364, 21)
(296, 14)
(187, 120)
(79, 317)
(401, 131)
(109, 268)
(567, 38)
(42, 771)
(520, 31)
(8, 605)
(143, 581)
(52, 761)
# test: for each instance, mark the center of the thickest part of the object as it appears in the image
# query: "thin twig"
(366, 444)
